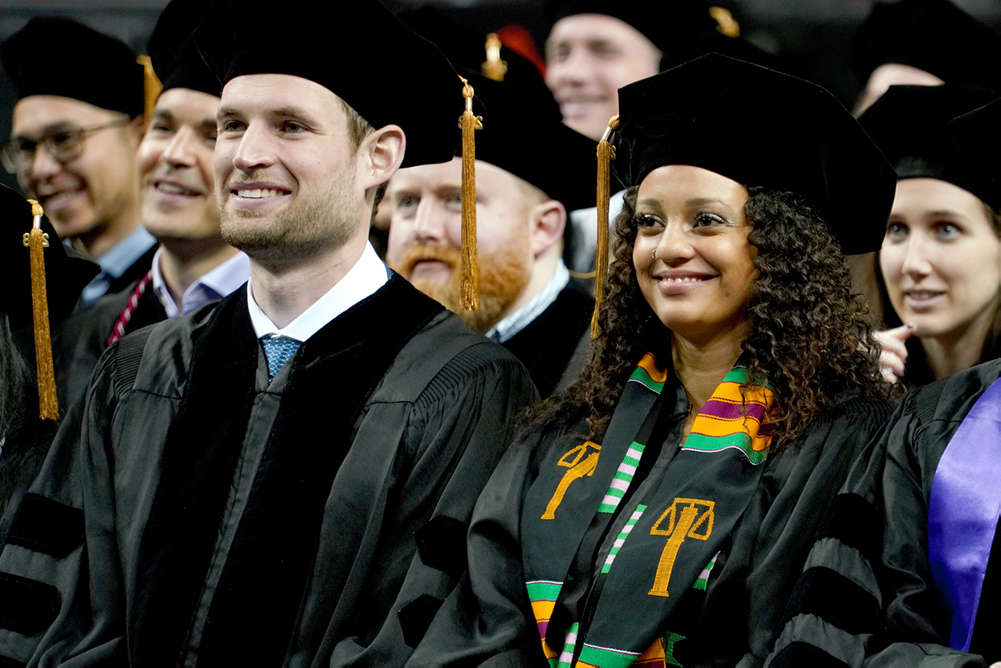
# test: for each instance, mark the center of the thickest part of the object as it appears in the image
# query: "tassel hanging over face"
(493, 67)
(151, 86)
(36, 241)
(606, 153)
(469, 297)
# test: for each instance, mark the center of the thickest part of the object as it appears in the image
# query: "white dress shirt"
(367, 275)
(520, 319)
(213, 286)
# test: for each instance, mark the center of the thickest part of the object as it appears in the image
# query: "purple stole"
(963, 511)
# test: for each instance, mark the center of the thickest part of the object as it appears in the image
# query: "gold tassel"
(36, 241)
(606, 153)
(725, 23)
(493, 67)
(469, 294)
(151, 87)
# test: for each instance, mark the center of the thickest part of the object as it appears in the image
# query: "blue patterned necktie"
(279, 351)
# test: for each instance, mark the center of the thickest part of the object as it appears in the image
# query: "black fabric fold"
(546, 344)
(986, 640)
(203, 447)
(333, 374)
(798, 654)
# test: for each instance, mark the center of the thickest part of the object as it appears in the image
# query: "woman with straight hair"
(940, 262)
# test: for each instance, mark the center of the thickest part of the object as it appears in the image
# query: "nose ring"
(654, 253)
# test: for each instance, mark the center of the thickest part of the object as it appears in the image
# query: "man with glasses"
(285, 479)
(75, 130)
(194, 265)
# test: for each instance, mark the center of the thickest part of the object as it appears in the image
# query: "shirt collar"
(212, 286)
(517, 321)
(124, 254)
(366, 277)
(116, 262)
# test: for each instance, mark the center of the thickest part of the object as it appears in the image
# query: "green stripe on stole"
(543, 591)
(641, 376)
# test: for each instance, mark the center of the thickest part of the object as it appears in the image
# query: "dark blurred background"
(812, 36)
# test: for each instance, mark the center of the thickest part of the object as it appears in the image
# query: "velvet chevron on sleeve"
(876, 556)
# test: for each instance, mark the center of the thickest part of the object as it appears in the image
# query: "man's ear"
(547, 221)
(380, 155)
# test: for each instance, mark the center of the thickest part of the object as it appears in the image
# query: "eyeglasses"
(18, 154)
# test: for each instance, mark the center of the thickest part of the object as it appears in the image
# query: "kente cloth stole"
(963, 511)
(658, 545)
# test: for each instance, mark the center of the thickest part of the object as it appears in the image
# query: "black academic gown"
(547, 345)
(868, 597)
(79, 342)
(209, 516)
(489, 618)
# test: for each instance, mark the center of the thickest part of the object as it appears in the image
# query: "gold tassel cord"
(151, 87)
(493, 67)
(606, 153)
(37, 241)
(469, 294)
(725, 23)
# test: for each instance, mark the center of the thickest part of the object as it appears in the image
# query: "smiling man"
(528, 301)
(193, 265)
(596, 47)
(74, 134)
(285, 478)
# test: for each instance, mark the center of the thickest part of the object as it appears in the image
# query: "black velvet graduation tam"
(171, 48)
(523, 131)
(760, 128)
(358, 50)
(663, 22)
(58, 56)
(932, 35)
(910, 124)
(66, 272)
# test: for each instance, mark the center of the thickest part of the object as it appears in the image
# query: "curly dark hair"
(808, 332)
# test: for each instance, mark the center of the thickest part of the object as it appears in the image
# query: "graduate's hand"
(893, 354)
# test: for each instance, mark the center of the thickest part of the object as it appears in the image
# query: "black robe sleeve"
(866, 596)
(488, 620)
(54, 555)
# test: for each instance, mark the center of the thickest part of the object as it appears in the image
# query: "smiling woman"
(940, 262)
(660, 509)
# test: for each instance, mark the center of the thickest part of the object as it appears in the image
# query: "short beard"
(504, 275)
(305, 229)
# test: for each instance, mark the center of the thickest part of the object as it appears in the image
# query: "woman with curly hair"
(659, 510)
